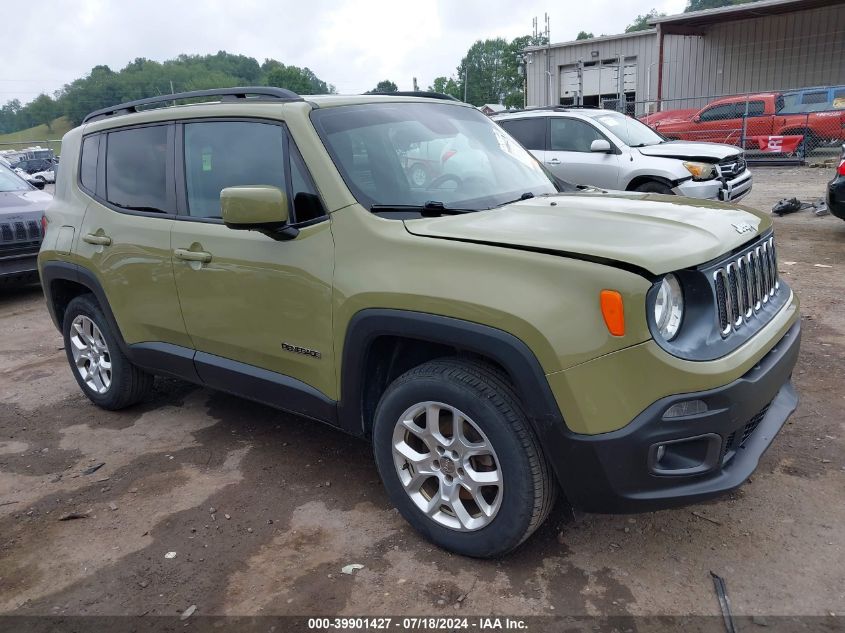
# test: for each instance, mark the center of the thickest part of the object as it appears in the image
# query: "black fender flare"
(57, 270)
(500, 346)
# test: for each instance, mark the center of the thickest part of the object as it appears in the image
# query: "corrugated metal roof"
(603, 38)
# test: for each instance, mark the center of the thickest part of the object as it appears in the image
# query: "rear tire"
(652, 186)
(100, 367)
(480, 490)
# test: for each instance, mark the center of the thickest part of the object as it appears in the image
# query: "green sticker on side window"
(206, 160)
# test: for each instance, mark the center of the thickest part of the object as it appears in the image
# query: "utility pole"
(548, 60)
(416, 87)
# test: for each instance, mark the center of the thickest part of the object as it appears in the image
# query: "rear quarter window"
(88, 163)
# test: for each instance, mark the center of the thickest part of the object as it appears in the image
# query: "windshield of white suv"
(416, 154)
(10, 181)
(628, 130)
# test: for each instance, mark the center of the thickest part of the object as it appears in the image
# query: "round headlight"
(669, 307)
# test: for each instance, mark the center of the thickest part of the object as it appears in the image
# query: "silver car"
(606, 149)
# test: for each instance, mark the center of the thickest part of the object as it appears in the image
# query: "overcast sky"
(350, 43)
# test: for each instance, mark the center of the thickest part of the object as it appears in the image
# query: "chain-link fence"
(789, 126)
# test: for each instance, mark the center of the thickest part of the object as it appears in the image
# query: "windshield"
(409, 154)
(629, 130)
(10, 181)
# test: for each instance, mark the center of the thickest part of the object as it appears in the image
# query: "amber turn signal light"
(613, 312)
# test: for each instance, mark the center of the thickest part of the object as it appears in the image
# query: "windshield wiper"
(431, 209)
(526, 196)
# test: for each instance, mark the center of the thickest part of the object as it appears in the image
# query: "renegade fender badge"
(296, 349)
(743, 227)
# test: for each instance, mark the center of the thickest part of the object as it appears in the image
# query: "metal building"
(690, 58)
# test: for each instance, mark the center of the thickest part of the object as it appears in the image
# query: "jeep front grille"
(15, 236)
(744, 284)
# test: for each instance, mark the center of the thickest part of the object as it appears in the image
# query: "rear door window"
(818, 96)
(756, 108)
(136, 169)
(531, 133)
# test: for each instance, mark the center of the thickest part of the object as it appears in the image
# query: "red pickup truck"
(721, 122)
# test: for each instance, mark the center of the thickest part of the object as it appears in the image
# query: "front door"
(569, 157)
(125, 234)
(255, 303)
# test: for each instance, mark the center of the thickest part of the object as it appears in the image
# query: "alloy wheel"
(447, 466)
(91, 354)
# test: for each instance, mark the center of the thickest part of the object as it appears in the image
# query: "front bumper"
(19, 269)
(836, 197)
(619, 472)
(726, 190)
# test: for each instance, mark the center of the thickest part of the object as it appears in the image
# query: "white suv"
(607, 149)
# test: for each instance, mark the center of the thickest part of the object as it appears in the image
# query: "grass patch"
(38, 135)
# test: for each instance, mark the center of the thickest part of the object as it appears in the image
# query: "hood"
(669, 115)
(23, 205)
(649, 233)
(691, 150)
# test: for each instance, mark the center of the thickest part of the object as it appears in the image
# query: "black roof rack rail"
(554, 108)
(261, 92)
(416, 93)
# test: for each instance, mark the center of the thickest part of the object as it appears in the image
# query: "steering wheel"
(461, 183)
(434, 184)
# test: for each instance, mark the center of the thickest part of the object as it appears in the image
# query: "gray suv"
(21, 228)
(607, 149)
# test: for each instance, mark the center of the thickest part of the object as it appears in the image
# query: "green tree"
(641, 21)
(700, 5)
(43, 110)
(447, 86)
(143, 77)
(583, 35)
(300, 80)
(489, 72)
(385, 85)
(9, 116)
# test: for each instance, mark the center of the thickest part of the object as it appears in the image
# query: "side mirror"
(696, 119)
(38, 184)
(257, 208)
(600, 145)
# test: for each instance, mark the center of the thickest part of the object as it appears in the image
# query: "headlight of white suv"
(700, 171)
(669, 307)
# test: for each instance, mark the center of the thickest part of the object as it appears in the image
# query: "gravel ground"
(262, 509)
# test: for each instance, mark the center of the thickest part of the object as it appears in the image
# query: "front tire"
(101, 369)
(459, 460)
(652, 186)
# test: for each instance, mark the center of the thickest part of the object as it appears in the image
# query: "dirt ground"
(262, 509)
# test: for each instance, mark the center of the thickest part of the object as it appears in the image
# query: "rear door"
(125, 234)
(256, 302)
(570, 158)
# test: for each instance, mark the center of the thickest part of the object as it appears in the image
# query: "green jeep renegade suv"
(494, 332)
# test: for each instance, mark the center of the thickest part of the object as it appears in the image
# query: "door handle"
(99, 240)
(192, 256)
(553, 161)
